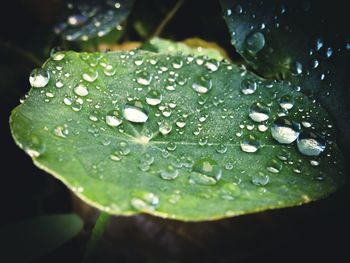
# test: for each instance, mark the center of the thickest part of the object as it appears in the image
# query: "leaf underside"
(121, 169)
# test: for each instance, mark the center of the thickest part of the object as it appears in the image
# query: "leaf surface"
(175, 136)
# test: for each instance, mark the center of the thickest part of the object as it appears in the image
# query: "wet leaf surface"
(175, 136)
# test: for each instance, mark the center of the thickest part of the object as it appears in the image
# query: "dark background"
(316, 232)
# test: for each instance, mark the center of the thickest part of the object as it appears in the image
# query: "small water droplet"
(274, 166)
(90, 76)
(135, 112)
(250, 144)
(286, 102)
(153, 97)
(180, 122)
(81, 90)
(165, 127)
(202, 84)
(39, 78)
(205, 171)
(145, 201)
(221, 148)
(260, 179)
(113, 118)
(259, 112)
(143, 78)
(296, 68)
(248, 86)
(255, 42)
(57, 54)
(310, 144)
(171, 146)
(169, 173)
(284, 130)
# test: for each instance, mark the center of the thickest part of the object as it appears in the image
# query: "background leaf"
(305, 42)
(175, 136)
(84, 20)
(198, 48)
(29, 240)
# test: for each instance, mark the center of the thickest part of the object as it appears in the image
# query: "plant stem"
(95, 237)
(24, 53)
(167, 18)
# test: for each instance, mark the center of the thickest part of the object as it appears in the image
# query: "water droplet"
(180, 122)
(110, 70)
(147, 158)
(329, 52)
(286, 102)
(212, 65)
(33, 146)
(248, 86)
(178, 62)
(135, 112)
(171, 146)
(81, 90)
(296, 68)
(90, 76)
(284, 130)
(39, 78)
(153, 97)
(145, 201)
(319, 44)
(61, 131)
(310, 144)
(260, 179)
(255, 42)
(221, 148)
(274, 166)
(143, 78)
(59, 84)
(165, 127)
(259, 112)
(250, 144)
(124, 148)
(57, 54)
(77, 19)
(169, 173)
(229, 166)
(283, 155)
(202, 84)
(205, 171)
(113, 118)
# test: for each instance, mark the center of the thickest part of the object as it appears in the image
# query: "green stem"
(95, 237)
(167, 18)
(24, 53)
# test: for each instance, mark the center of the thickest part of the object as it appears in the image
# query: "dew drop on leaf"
(248, 86)
(255, 42)
(169, 173)
(113, 118)
(202, 84)
(310, 144)
(153, 97)
(39, 78)
(135, 112)
(259, 112)
(250, 144)
(285, 131)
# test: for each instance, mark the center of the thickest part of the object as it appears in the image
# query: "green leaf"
(29, 240)
(304, 42)
(83, 21)
(174, 136)
(164, 46)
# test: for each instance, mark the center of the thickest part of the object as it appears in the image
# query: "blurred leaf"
(164, 46)
(90, 19)
(304, 42)
(29, 240)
